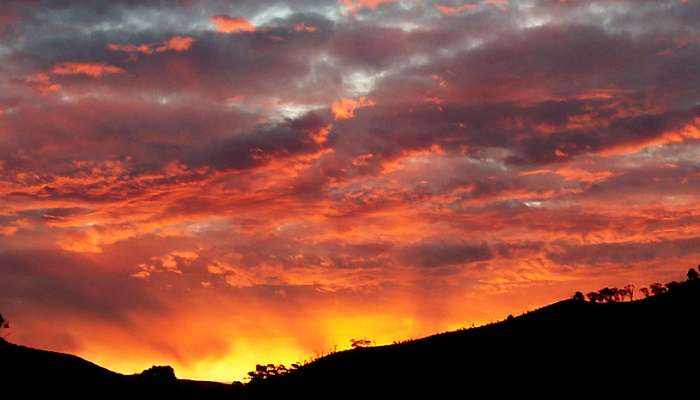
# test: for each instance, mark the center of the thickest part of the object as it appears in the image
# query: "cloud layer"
(286, 176)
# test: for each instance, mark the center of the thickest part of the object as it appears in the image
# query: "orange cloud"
(8, 230)
(321, 135)
(356, 5)
(453, 10)
(345, 108)
(41, 82)
(131, 48)
(690, 131)
(91, 69)
(179, 190)
(175, 43)
(226, 24)
(573, 174)
(166, 263)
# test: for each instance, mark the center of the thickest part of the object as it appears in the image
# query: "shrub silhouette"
(693, 274)
(159, 373)
(578, 296)
(263, 372)
(359, 343)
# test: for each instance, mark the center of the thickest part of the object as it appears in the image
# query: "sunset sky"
(212, 184)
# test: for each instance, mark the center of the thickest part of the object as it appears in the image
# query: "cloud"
(454, 10)
(91, 69)
(439, 253)
(41, 82)
(170, 262)
(302, 27)
(333, 166)
(227, 24)
(500, 4)
(354, 6)
(5, 22)
(627, 253)
(345, 108)
(175, 43)
(304, 135)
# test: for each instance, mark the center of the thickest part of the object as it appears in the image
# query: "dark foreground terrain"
(567, 349)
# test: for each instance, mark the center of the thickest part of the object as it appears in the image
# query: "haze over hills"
(574, 343)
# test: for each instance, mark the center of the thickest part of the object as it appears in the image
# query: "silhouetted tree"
(645, 291)
(605, 295)
(629, 290)
(358, 343)
(672, 285)
(268, 371)
(609, 295)
(593, 297)
(692, 274)
(657, 288)
(578, 296)
(4, 324)
(160, 374)
(617, 294)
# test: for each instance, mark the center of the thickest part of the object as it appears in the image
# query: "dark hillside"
(571, 343)
(580, 346)
(30, 373)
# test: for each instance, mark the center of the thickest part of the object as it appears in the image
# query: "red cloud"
(227, 24)
(175, 43)
(91, 69)
(131, 48)
(356, 5)
(452, 10)
(41, 82)
(523, 173)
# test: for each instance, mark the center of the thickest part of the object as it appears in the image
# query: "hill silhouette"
(573, 345)
(33, 373)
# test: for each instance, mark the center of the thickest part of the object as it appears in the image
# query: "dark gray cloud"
(626, 253)
(444, 252)
(61, 284)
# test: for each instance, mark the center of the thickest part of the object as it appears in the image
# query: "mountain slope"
(31, 373)
(571, 343)
(576, 346)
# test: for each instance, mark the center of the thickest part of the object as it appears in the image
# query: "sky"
(212, 184)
